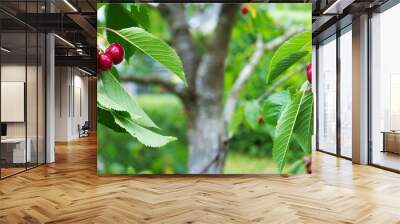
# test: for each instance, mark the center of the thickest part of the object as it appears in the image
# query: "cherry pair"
(114, 54)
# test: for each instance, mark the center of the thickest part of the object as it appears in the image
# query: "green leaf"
(112, 96)
(154, 47)
(289, 53)
(297, 167)
(270, 130)
(99, 5)
(115, 73)
(274, 105)
(285, 128)
(139, 12)
(236, 121)
(108, 104)
(119, 17)
(144, 135)
(252, 112)
(106, 118)
(119, 111)
(304, 124)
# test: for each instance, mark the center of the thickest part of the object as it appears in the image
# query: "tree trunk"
(206, 130)
(203, 99)
(206, 148)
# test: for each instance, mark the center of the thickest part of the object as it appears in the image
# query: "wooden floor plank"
(70, 191)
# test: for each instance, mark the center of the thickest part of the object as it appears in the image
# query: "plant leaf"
(274, 105)
(112, 96)
(297, 167)
(115, 73)
(285, 128)
(236, 121)
(154, 47)
(289, 53)
(143, 135)
(120, 112)
(252, 112)
(106, 118)
(139, 12)
(99, 5)
(119, 17)
(304, 124)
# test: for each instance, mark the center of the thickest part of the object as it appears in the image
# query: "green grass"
(161, 101)
(238, 163)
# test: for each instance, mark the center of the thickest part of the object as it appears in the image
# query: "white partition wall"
(22, 95)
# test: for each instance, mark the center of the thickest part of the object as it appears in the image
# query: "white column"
(360, 90)
(50, 100)
(50, 92)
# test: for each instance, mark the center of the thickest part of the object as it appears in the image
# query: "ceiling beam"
(89, 30)
(337, 7)
(78, 61)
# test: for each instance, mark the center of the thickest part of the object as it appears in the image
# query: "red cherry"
(105, 62)
(244, 10)
(308, 163)
(310, 169)
(260, 120)
(309, 73)
(116, 51)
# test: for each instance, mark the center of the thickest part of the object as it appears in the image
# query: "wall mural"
(204, 88)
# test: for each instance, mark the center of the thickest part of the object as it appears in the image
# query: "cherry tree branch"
(182, 39)
(209, 95)
(281, 81)
(210, 73)
(155, 79)
(249, 68)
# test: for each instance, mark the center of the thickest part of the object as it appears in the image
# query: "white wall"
(80, 102)
(61, 103)
(12, 73)
(71, 94)
(33, 126)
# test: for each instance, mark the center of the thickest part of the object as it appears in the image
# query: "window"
(346, 93)
(327, 96)
(385, 89)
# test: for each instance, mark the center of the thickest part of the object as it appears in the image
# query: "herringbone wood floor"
(70, 191)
